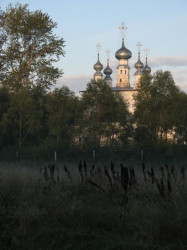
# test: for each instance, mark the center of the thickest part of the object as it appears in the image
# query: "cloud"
(180, 77)
(75, 83)
(174, 61)
(184, 88)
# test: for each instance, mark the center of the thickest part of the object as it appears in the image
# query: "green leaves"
(30, 48)
(22, 118)
(105, 113)
(61, 112)
(155, 102)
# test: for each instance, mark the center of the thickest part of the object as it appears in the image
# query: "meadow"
(84, 206)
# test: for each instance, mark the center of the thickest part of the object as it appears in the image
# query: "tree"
(153, 113)
(2, 41)
(4, 105)
(105, 113)
(28, 48)
(22, 118)
(179, 111)
(61, 113)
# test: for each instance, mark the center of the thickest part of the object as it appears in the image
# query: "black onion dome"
(107, 70)
(123, 53)
(147, 69)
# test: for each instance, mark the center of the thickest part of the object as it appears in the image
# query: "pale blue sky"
(159, 25)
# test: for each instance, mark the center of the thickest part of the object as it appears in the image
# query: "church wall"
(136, 81)
(128, 97)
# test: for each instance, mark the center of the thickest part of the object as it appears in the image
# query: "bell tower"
(123, 54)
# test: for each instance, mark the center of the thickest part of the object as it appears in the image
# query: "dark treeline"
(35, 123)
(39, 122)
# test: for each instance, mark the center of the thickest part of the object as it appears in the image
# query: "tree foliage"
(154, 114)
(61, 115)
(179, 109)
(29, 48)
(105, 113)
(22, 118)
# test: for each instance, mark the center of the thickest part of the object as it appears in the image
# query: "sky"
(160, 25)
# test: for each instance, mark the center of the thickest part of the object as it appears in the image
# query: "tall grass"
(86, 206)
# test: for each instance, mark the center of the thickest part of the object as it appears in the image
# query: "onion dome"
(146, 69)
(107, 70)
(139, 66)
(123, 52)
(98, 66)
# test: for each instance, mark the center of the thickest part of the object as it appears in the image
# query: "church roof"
(122, 89)
(123, 52)
(98, 66)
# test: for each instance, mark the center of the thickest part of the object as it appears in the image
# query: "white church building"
(123, 72)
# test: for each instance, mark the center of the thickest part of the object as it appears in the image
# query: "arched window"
(125, 71)
(121, 71)
(120, 80)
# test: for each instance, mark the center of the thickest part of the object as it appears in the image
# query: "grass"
(74, 212)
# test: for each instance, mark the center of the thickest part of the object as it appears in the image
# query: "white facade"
(123, 72)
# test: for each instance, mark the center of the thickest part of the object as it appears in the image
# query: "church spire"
(139, 66)
(108, 71)
(123, 54)
(98, 66)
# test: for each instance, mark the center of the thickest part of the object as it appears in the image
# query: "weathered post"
(55, 157)
(94, 157)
